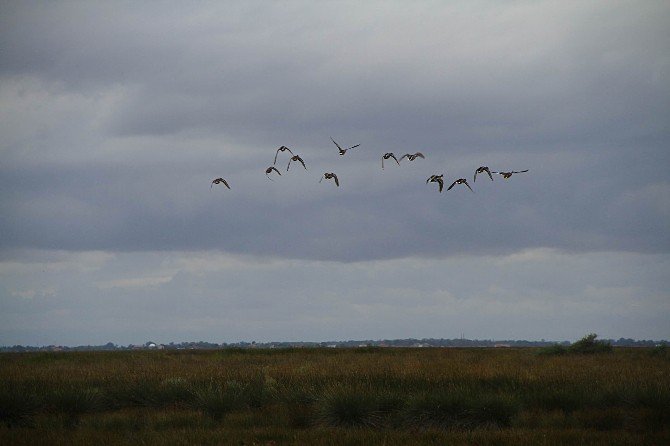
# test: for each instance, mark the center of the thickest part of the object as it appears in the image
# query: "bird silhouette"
(436, 179)
(506, 175)
(342, 151)
(460, 181)
(330, 175)
(412, 157)
(296, 158)
(281, 149)
(219, 181)
(481, 170)
(387, 156)
(269, 170)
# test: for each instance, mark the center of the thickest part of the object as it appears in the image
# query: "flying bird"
(481, 170)
(387, 156)
(460, 181)
(411, 157)
(281, 149)
(330, 175)
(296, 158)
(506, 175)
(342, 151)
(269, 170)
(219, 181)
(436, 179)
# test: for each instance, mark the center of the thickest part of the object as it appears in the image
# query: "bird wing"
(225, 182)
(452, 184)
(489, 172)
(302, 162)
(276, 155)
(338, 146)
(474, 180)
(353, 147)
(466, 183)
(420, 155)
(337, 182)
(396, 159)
(275, 169)
(407, 155)
(522, 171)
(441, 183)
(382, 162)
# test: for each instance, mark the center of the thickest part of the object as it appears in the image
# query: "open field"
(336, 396)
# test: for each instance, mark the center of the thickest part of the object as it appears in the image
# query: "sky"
(115, 117)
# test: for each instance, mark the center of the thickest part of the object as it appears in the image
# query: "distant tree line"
(410, 342)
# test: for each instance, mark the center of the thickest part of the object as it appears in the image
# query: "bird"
(436, 179)
(330, 175)
(411, 157)
(506, 175)
(281, 149)
(387, 156)
(342, 151)
(269, 170)
(460, 181)
(296, 158)
(482, 169)
(218, 181)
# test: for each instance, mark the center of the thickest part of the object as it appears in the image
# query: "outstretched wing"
(475, 178)
(466, 183)
(407, 155)
(452, 185)
(337, 182)
(225, 182)
(302, 162)
(441, 183)
(396, 159)
(420, 155)
(353, 147)
(522, 171)
(276, 155)
(489, 172)
(338, 146)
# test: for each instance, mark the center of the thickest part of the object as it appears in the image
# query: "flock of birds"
(439, 179)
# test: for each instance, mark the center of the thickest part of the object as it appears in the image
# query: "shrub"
(589, 345)
(216, 400)
(17, 408)
(344, 406)
(461, 408)
(73, 401)
(553, 350)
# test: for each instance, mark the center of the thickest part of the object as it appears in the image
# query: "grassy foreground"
(335, 396)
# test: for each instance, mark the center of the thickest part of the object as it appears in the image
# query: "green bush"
(589, 345)
(553, 350)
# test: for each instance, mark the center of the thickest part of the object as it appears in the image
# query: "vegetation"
(338, 396)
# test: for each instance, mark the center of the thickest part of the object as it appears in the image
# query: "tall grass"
(288, 393)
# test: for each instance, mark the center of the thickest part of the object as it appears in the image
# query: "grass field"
(336, 396)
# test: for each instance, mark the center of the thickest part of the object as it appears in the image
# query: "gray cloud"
(114, 119)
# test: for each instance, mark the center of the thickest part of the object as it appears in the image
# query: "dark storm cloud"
(160, 102)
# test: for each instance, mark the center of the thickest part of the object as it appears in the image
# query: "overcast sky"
(115, 117)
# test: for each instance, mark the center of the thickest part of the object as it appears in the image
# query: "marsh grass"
(305, 396)
(17, 407)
